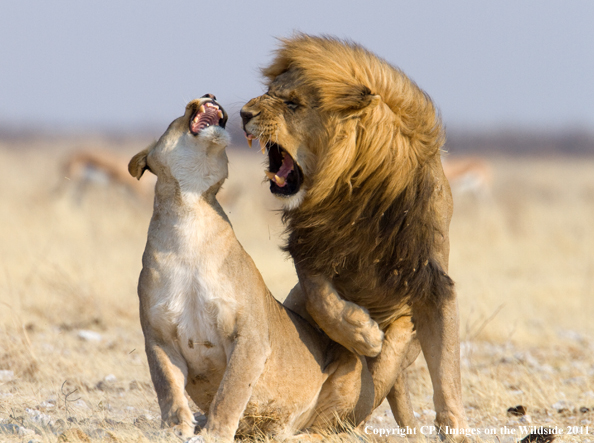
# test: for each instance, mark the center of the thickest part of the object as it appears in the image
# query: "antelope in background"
(469, 175)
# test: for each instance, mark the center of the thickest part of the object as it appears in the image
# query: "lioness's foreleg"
(344, 322)
(169, 373)
(437, 331)
(245, 365)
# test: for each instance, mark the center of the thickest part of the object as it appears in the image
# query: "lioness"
(211, 326)
(354, 153)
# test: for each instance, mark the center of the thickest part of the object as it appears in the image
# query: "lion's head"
(350, 140)
(344, 117)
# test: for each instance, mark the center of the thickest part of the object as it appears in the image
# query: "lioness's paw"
(184, 431)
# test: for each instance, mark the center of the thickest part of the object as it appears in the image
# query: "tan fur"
(368, 230)
(211, 326)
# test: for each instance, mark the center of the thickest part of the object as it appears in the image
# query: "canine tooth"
(220, 114)
(270, 175)
(202, 109)
(279, 180)
(249, 142)
(262, 146)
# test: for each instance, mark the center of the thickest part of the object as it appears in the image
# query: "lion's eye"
(291, 104)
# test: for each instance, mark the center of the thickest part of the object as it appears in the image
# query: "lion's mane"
(368, 219)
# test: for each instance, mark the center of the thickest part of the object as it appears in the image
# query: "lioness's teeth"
(270, 175)
(279, 180)
(220, 114)
(202, 109)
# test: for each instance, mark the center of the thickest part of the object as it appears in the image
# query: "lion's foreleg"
(344, 322)
(169, 374)
(438, 332)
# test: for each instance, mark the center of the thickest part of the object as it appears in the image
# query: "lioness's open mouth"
(284, 173)
(208, 114)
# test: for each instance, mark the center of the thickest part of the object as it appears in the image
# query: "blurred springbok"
(469, 175)
(96, 166)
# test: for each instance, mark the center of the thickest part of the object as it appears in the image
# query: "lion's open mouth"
(208, 114)
(284, 173)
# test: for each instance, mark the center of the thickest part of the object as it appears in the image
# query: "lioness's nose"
(246, 116)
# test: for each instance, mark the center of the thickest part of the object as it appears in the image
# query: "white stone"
(110, 378)
(6, 375)
(86, 335)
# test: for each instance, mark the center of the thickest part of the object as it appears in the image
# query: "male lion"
(211, 326)
(354, 154)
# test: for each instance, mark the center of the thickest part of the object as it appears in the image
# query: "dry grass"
(522, 260)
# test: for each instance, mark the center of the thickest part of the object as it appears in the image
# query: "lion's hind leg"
(387, 369)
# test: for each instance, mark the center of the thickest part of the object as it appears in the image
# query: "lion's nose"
(246, 116)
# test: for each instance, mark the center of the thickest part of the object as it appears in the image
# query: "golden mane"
(383, 125)
(367, 216)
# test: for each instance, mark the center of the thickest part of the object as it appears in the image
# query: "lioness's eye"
(291, 105)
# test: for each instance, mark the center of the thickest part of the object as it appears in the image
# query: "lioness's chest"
(191, 300)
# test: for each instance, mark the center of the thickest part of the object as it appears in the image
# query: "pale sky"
(129, 65)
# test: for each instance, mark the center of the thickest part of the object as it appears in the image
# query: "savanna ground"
(72, 362)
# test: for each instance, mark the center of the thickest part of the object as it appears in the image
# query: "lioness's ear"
(138, 165)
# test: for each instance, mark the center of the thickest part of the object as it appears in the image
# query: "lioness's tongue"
(210, 116)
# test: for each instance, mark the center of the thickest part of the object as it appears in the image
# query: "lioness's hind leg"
(344, 322)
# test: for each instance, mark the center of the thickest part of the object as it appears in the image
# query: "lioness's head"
(191, 152)
(337, 119)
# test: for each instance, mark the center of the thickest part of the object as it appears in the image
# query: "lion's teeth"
(270, 175)
(263, 146)
(279, 180)
(249, 142)
(202, 109)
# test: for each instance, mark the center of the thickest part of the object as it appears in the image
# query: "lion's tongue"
(280, 178)
(286, 167)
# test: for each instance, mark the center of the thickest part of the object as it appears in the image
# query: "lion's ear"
(354, 98)
(138, 164)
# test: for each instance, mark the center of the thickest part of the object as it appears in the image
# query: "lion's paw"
(364, 336)
(368, 340)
